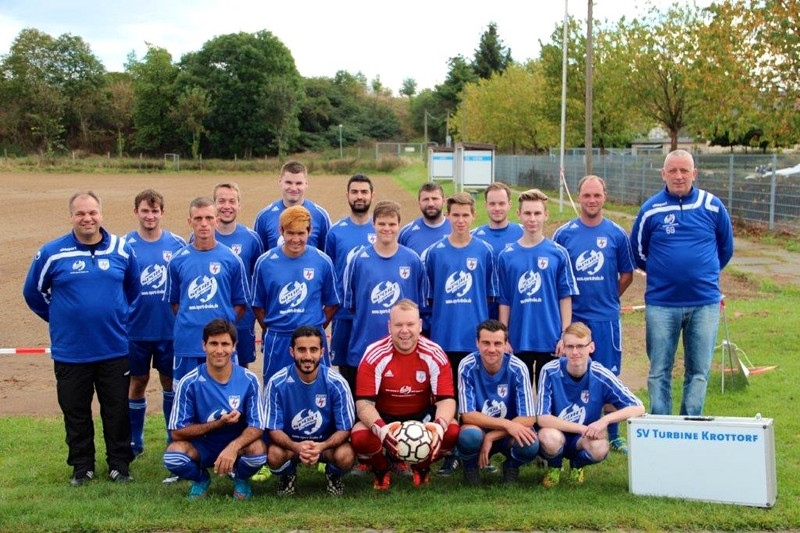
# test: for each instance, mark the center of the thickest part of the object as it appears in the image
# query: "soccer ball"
(413, 442)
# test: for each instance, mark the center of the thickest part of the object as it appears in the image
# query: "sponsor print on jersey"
(153, 276)
(542, 262)
(216, 415)
(214, 267)
(104, 264)
(405, 390)
(458, 283)
(590, 262)
(529, 283)
(472, 263)
(307, 421)
(202, 288)
(385, 294)
(79, 265)
(573, 413)
(494, 409)
(321, 400)
(293, 294)
(234, 400)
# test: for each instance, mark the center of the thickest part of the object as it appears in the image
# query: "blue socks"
(138, 408)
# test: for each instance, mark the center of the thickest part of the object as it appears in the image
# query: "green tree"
(409, 87)
(118, 107)
(491, 55)
(154, 92)
(191, 108)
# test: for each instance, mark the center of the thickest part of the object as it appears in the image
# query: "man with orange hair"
(293, 285)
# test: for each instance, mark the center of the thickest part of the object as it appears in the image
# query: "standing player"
(376, 278)
(247, 245)
(293, 182)
(83, 284)
(206, 281)
(403, 376)
(344, 239)
(536, 285)
(496, 406)
(151, 322)
(572, 392)
(309, 416)
(293, 285)
(602, 261)
(432, 225)
(499, 231)
(218, 418)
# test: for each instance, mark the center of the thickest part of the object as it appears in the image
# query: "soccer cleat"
(577, 475)
(489, 469)
(82, 478)
(471, 476)
(242, 489)
(383, 480)
(137, 449)
(287, 484)
(401, 469)
(620, 445)
(334, 485)
(118, 476)
(262, 475)
(552, 477)
(199, 489)
(451, 464)
(171, 480)
(422, 476)
(361, 469)
(510, 475)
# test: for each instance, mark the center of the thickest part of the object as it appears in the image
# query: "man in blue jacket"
(83, 285)
(682, 238)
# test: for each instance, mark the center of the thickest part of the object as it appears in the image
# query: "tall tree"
(154, 91)
(491, 55)
(409, 87)
(118, 107)
(191, 108)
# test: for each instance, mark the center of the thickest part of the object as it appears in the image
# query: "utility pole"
(587, 139)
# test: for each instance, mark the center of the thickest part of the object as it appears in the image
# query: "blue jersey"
(199, 398)
(247, 245)
(532, 280)
(205, 284)
(267, 224)
(499, 238)
(506, 394)
(152, 318)
(461, 281)
(309, 411)
(344, 239)
(418, 236)
(599, 254)
(293, 290)
(580, 401)
(373, 284)
(85, 294)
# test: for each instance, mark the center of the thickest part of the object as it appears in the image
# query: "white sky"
(393, 40)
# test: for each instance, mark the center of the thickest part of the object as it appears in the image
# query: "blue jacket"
(85, 294)
(682, 243)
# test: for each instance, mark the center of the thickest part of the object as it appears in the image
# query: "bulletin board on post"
(440, 163)
(473, 165)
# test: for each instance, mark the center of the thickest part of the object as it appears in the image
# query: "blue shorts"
(246, 345)
(607, 337)
(184, 365)
(208, 450)
(571, 445)
(340, 340)
(142, 353)
(276, 352)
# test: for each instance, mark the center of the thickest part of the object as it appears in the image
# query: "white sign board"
(441, 165)
(717, 459)
(478, 168)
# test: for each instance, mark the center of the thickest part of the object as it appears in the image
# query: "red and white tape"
(24, 351)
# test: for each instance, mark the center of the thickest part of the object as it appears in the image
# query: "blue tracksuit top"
(682, 243)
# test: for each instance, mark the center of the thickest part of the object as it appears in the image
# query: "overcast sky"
(393, 40)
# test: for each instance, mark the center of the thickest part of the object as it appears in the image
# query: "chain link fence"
(756, 189)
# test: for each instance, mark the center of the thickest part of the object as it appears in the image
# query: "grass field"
(35, 495)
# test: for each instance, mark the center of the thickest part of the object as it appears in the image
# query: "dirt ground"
(27, 384)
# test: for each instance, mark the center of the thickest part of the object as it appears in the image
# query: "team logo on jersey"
(472, 263)
(420, 376)
(385, 294)
(214, 267)
(166, 254)
(573, 413)
(458, 283)
(371, 238)
(669, 219)
(308, 273)
(502, 390)
(585, 396)
(104, 264)
(590, 262)
(307, 421)
(602, 242)
(529, 283)
(234, 400)
(79, 265)
(405, 271)
(237, 249)
(542, 262)
(202, 288)
(494, 409)
(321, 400)
(293, 294)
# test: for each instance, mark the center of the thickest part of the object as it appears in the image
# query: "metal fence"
(748, 184)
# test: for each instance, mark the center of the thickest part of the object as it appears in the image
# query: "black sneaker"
(451, 464)
(118, 476)
(334, 486)
(471, 476)
(510, 475)
(286, 485)
(81, 478)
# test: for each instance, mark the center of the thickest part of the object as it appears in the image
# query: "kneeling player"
(217, 418)
(496, 406)
(309, 415)
(572, 392)
(403, 376)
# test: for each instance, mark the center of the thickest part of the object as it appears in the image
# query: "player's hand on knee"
(385, 432)
(437, 429)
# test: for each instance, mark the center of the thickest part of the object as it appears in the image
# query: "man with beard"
(309, 416)
(344, 239)
(432, 225)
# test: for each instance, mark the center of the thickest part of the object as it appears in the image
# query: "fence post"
(772, 187)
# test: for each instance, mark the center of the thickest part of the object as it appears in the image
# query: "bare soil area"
(27, 384)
